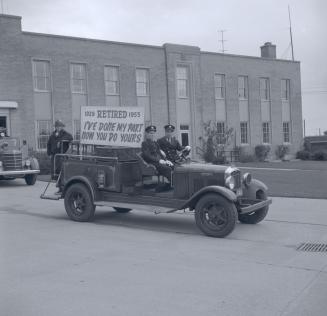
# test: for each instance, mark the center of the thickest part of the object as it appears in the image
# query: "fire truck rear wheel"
(79, 203)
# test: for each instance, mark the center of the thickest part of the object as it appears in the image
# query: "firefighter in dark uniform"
(58, 143)
(174, 151)
(152, 154)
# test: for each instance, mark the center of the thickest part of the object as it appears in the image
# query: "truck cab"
(15, 161)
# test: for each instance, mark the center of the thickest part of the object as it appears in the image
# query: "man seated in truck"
(151, 154)
(173, 150)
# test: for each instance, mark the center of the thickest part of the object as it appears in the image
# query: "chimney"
(268, 50)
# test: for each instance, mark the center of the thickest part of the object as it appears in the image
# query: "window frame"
(146, 82)
(46, 77)
(72, 79)
(185, 81)
(288, 132)
(246, 135)
(245, 88)
(287, 85)
(44, 136)
(266, 133)
(117, 81)
(221, 132)
(266, 89)
(221, 87)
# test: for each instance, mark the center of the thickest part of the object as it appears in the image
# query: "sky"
(247, 24)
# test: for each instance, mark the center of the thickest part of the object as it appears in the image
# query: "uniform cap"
(150, 128)
(169, 127)
(59, 123)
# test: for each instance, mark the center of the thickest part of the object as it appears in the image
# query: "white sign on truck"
(112, 126)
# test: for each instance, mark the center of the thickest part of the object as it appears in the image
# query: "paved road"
(145, 264)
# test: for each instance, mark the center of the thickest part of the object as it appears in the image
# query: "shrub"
(244, 156)
(303, 155)
(320, 155)
(281, 151)
(261, 152)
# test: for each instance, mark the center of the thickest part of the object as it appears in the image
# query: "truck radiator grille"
(237, 176)
(12, 161)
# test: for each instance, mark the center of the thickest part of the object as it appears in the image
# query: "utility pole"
(1, 6)
(289, 16)
(222, 40)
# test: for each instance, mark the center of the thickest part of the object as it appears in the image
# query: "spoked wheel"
(78, 203)
(215, 216)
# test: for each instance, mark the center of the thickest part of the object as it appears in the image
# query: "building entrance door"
(3, 121)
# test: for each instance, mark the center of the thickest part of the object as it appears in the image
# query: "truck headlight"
(247, 178)
(230, 182)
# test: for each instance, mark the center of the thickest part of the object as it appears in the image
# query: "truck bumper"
(249, 206)
(18, 173)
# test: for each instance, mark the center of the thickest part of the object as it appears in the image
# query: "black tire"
(215, 216)
(257, 216)
(30, 179)
(79, 203)
(122, 209)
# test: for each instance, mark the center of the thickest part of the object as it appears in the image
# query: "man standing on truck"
(58, 143)
(152, 154)
(174, 151)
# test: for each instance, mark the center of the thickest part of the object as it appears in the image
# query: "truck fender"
(250, 191)
(84, 180)
(226, 193)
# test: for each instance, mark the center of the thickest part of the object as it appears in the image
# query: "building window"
(41, 75)
(264, 89)
(111, 80)
(43, 133)
(286, 132)
(266, 132)
(221, 133)
(285, 89)
(185, 134)
(182, 82)
(219, 86)
(244, 133)
(142, 82)
(78, 78)
(242, 87)
(76, 129)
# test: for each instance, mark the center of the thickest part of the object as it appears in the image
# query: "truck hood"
(201, 167)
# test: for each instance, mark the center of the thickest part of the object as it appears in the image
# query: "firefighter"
(152, 154)
(174, 151)
(58, 143)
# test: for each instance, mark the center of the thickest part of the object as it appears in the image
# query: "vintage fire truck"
(118, 177)
(15, 162)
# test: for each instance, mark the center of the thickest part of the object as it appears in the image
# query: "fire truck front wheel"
(78, 203)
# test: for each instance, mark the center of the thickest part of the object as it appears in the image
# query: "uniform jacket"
(151, 151)
(52, 145)
(170, 147)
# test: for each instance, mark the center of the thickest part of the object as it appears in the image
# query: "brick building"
(44, 77)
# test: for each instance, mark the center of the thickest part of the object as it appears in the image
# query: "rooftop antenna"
(289, 16)
(223, 50)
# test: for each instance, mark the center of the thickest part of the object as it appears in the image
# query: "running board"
(150, 208)
(54, 197)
